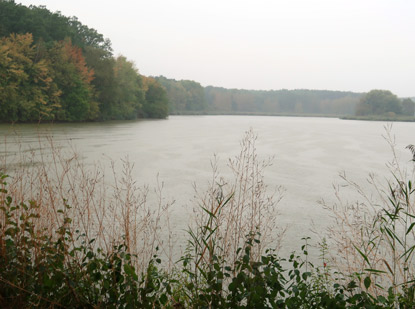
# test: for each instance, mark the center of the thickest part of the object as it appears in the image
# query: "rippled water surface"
(309, 154)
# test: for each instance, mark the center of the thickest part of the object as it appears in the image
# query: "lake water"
(309, 154)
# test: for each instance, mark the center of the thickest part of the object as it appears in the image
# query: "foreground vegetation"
(67, 240)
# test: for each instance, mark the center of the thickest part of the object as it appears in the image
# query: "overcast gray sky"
(355, 45)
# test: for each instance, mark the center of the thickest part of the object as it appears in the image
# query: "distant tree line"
(53, 67)
(184, 95)
(384, 102)
(190, 97)
(301, 101)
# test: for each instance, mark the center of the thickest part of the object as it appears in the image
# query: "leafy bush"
(62, 269)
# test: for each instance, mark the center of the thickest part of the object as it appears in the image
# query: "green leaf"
(408, 253)
(129, 270)
(362, 254)
(47, 282)
(352, 284)
(375, 271)
(208, 212)
(367, 282)
(163, 299)
(410, 228)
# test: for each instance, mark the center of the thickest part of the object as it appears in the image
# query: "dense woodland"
(318, 102)
(188, 97)
(54, 68)
(384, 102)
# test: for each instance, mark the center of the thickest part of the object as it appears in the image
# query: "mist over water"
(308, 155)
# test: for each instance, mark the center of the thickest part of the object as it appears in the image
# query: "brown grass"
(361, 225)
(108, 207)
(104, 205)
(252, 206)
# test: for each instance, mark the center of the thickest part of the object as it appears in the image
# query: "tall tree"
(130, 92)
(26, 89)
(183, 95)
(408, 107)
(156, 103)
(73, 78)
(48, 26)
(378, 102)
(104, 82)
(69, 74)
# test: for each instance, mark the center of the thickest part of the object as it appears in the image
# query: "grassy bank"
(380, 118)
(224, 113)
(69, 239)
(345, 117)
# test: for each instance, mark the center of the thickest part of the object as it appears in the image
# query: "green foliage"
(297, 102)
(379, 102)
(388, 118)
(104, 83)
(183, 95)
(189, 97)
(155, 104)
(207, 281)
(72, 77)
(408, 107)
(26, 88)
(47, 26)
(51, 269)
(62, 269)
(55, 68)
(130, 91)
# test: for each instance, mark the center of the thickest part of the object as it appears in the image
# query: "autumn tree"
(73, 78)
(65, 71)
(26, 89)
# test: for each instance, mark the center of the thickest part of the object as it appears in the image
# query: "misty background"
(328, 45)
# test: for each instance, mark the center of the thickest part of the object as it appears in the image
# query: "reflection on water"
(309, 154)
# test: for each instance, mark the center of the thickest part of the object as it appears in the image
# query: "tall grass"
(374, 234)
(242, 204)
(73, 235)
(105, 206)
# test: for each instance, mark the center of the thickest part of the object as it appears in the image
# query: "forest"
(54, 68)
(190, 97)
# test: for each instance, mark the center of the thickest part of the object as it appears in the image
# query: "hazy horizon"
(265, 45)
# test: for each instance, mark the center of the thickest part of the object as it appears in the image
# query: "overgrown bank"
(76, 243)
